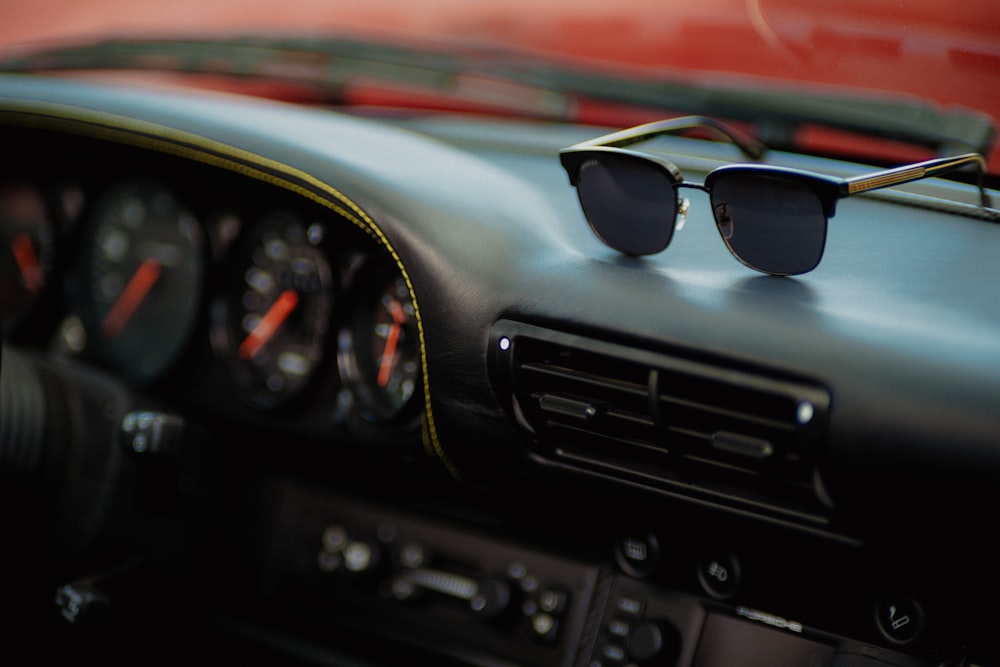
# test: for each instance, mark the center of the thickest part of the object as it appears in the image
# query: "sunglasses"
(772, 219)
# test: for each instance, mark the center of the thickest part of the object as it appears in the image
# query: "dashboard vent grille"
(716, 432)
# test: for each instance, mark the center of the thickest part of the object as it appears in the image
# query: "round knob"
(651, 641)
(360, 556)
(491, 599)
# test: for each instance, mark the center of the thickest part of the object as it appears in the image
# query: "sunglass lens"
(772, 224)
(630, 204)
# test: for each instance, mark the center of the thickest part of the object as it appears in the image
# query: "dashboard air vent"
(716, 432)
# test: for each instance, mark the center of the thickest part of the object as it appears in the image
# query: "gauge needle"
(27, 262)
(265, 328)
(389, 353)
(131, 298)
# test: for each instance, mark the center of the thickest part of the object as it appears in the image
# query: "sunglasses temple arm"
(748, 145)
(915, 172)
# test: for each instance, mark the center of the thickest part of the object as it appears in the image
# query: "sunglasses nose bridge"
(684, 204)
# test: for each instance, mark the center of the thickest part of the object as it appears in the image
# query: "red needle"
(275, 315)
(131, 298)
(27, 262)
(389, 353)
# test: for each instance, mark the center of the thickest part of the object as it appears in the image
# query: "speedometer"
(270, 325)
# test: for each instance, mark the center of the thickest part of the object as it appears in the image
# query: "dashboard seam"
(151, 136)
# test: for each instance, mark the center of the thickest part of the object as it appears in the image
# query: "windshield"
(919, 76)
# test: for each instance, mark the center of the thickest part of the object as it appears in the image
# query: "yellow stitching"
(122, 129)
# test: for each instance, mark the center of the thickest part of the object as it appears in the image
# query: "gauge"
(380, 351)
(271, 323)
(143, 275)
(27, 243)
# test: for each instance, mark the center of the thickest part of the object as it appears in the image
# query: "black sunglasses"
(772, 219)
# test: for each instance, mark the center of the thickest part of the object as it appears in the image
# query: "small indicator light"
(805, 412)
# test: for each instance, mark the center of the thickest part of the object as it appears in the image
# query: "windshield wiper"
(517, 83)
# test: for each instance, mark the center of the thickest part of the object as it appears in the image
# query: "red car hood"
(945, 52)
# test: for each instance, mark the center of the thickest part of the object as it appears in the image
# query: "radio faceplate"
(434, 585)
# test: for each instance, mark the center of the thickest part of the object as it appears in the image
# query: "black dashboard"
(336, 389)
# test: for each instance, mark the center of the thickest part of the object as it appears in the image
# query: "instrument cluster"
(172, 284)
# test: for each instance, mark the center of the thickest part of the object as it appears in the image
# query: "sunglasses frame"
(828, 189)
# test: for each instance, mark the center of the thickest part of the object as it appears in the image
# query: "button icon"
(719, 575)
(638, 555)
(630, 607)
(900, 619)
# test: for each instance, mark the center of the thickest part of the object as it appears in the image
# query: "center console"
(483, 600)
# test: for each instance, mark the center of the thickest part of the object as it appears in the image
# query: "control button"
(403, 589)
(719, 575)
(645, 642)
(630, 607)
(613, 653)
(334, 538)
(491, 599)
(412, 555)
(653, 643)
(619, 628)
(328, 562)
(517, 570)
(359, 557)
(152, 433)
(638, 555)
(552, 602)
(528, 583)
(529, 607)
(900, 619)
(544, 627)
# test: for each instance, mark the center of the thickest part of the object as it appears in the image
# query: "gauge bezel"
(355, 354)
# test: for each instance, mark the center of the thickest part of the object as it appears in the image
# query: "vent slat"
(571, 375)
(728, 413)
(667, 417)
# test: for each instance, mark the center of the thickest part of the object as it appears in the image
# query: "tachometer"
(270, 326)
(143, 273)
(380, 350)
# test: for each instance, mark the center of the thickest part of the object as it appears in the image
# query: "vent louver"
(713, 432)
